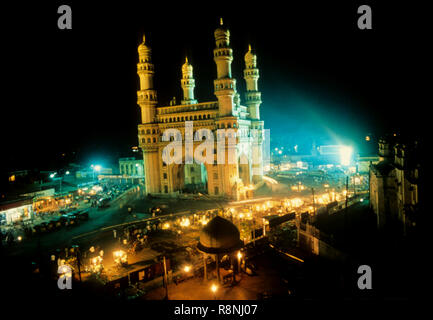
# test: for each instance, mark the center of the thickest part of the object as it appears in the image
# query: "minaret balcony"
(225, 84)
(187, 82)
(145, 67)
(253, 97)
(144, 96)
(223, 52)
(251, 73)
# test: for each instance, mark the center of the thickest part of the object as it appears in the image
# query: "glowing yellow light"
(97, 260)
(239, 255)
(214, 288)
(120, 256)
(367, 138)
(185, 222)
(187, 268)
(166, 226)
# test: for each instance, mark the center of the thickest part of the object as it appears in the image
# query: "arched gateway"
(243, 159)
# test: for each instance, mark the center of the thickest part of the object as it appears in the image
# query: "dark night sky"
(75, 90)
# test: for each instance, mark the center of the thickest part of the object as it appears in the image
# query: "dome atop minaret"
(186, 67)
(143, 49)
(221, 30)
(250, 56)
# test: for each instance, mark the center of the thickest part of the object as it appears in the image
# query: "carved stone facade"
(220, 179)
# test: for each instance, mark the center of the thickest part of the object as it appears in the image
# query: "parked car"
(40, 228)
(70, 219)
(57, 221)
(103, 202)
(83, 215)
(50, 226)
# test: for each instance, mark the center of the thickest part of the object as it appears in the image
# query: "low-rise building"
(363, 163)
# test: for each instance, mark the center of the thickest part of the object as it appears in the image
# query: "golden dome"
(142, 48)
(221, 29)
(186, 67)
(249, 56)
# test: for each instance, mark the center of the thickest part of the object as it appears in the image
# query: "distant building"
(12, 176)
(394, 184)
(363, 163)
(132, 168)
(329, 150)
(91, 173)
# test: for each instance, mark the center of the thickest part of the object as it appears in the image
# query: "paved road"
(98, 218)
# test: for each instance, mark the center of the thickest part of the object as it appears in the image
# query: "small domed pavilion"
(219, 237)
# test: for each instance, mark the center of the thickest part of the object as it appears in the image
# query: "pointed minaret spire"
(144, 38)
(249, 47)
(188, 83)
(221, 21)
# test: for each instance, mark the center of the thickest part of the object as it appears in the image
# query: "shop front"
(15, 212)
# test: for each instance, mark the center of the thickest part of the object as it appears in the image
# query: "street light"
(239, 261)
(53, 176)
(187, 269)
(214, 289)
(95, 168)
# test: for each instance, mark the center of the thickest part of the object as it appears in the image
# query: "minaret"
(225, 86)
(251, 75)
(188, 83)
(147, 98)
(253, 101)
(148, 129)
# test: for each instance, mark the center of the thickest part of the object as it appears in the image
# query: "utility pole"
(345, 211)
(347, 189)
(314, 202)
(254, 231)
(354, 187)
(77, 255)
(165, 278)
